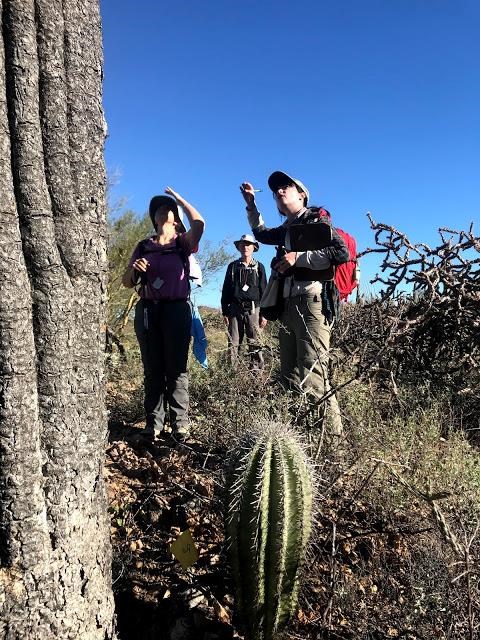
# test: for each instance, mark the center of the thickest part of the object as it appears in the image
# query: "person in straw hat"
(244, 284)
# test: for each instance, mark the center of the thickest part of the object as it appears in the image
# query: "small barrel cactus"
(268, 525)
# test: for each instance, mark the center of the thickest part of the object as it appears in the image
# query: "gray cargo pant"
(244, 324)
(304, 345)
(163, 331)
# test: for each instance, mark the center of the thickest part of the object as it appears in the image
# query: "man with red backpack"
(309, 298)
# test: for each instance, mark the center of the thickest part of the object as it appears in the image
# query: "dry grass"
(395, 549)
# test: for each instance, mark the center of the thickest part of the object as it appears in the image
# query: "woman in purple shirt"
(159, 268)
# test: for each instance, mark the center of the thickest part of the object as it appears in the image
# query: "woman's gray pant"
(163, 331)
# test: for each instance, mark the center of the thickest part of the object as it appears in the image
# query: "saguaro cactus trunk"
(55, 574)
(268, 527)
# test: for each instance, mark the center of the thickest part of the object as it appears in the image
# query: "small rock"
(201, 489)
(193, 597)
(181, 630)
(154, 516)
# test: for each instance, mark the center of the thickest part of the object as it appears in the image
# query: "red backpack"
(346, 275)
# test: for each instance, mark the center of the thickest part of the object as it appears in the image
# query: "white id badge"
(245, 287)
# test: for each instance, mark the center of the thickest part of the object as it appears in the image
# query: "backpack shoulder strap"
(142, 247)
(142, 281)
(234, 271)
(186, 263)
(314, 214)
(179, 248)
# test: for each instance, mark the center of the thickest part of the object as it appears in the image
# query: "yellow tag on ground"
(184, 549)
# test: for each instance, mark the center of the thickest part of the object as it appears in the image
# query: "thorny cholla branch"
(446, 270)
(426, 322)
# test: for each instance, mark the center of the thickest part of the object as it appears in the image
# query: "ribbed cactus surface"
(268, 526)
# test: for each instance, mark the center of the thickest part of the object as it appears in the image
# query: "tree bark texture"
(55, 579)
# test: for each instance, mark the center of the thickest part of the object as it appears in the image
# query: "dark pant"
(244, 323)
(163, 333)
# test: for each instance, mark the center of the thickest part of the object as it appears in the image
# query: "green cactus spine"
(268, 526)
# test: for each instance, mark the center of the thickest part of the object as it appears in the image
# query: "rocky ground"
(361, 574)
(156, 491)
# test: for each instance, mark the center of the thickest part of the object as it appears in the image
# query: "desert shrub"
(225, 403)
(422, 330)
(395, 541)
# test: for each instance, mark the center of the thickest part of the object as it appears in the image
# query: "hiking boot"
(181, 432)
(150, 434)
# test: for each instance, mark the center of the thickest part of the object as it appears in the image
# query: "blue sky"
(373, 104)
